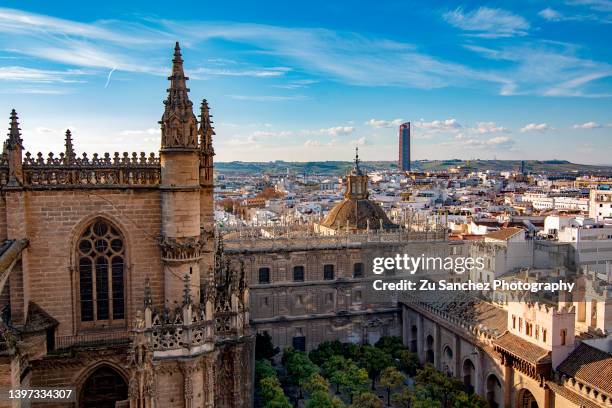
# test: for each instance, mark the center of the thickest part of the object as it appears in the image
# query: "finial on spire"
(356, 169)
(14, 134)
(206, 128)
(69, 154)
(177, 60)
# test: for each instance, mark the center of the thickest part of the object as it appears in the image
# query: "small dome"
(358, 214)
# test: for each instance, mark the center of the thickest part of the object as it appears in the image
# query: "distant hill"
(337, 168)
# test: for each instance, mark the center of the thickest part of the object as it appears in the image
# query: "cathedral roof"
(589, 365)
(570, 395)
(359, 214)
(522, 348)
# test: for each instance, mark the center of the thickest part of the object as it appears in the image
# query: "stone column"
(420, 337)
(189, 370)
(458, 367)
(508, 382)
(209, 379)
(437, 347)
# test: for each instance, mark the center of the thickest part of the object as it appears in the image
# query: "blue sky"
(288, 80)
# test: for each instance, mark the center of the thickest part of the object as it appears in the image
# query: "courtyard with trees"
(347, 375)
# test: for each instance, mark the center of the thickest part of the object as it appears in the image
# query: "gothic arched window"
(101, 265)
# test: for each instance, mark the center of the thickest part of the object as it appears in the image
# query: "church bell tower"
(182, 241)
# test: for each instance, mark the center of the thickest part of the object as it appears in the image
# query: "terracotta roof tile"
(571, 396)
(359, 214)
(504, 234)
(591, 366)
(522, 348)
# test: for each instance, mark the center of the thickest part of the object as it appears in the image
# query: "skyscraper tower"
(404, 147)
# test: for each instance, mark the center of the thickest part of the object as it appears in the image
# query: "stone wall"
(54, 221)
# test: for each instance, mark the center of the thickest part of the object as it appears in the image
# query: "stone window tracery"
(101, 272)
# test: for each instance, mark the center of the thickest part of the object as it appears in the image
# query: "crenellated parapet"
(97, 161)
(66, 171)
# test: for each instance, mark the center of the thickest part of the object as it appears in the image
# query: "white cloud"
(348, 57)
(331, 131)
(298, 83)
(488, 127)
(127, 46)
(498, 141)
(267, 98)
(149, 132)
(312, 143)
(362, 141)
(32, 75)
(242, 141)
(598, 5)
(258, 73)
(381, 123)
(536, 127)
(547, 69)
(550, 14)
(488, 22)
(269, 133)
(339, 130)
(41, 130)
(331, 143)
(587, 125)
(445, 125)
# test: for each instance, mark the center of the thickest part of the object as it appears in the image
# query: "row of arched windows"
(298, 273)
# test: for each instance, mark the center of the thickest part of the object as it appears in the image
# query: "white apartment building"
(600, 205)
(592, 242)
(544, 201)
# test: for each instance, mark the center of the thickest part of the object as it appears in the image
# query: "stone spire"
(14, 135)
(178, 123)
(207, 152)
(206, 131)
(69, 155)
(14, 150)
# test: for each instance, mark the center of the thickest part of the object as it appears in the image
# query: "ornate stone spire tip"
(14, 134)
(356, 170)
(177, 66)
(179, 124)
